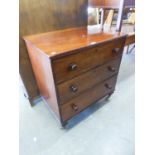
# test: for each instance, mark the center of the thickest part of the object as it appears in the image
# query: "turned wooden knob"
(75, 107)
(73, 88)
(110, 68)
(72, 67)
(115, 50)
(96, 50)
(108, 86)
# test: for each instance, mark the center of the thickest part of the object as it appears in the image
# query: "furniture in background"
(131, 20)
(118, 8)
(107, 10)
(93, 16)
(67, 63)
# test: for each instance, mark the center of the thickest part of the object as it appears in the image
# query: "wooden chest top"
(63, 42)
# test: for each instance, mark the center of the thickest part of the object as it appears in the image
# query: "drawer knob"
(74, 88)
(110, 68)
(108, 86)
(96, 50)
(75, 107)
(72, 67)
(115, 50)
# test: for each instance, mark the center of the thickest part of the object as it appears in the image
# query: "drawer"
(72, 65)
(77, 85)
(90, 96)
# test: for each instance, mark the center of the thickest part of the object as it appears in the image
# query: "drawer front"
(77, 85)
(70, 66)
(81, 102)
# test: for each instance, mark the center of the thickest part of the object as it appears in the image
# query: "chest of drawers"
(75, 67)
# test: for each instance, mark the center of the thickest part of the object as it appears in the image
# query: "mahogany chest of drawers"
(75, 67)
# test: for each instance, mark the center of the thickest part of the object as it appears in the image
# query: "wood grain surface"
(84, 100)
(95, 48)
(38, 16)
(77, 85)
(79, 66)
(63, 41)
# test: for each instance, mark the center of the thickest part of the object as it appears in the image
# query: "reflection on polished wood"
(63, 41)
(76, 67)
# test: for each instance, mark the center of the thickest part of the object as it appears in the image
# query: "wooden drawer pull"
(108, 86)
(96, 50)
(110, 68)
(74, 88)
(75, 107)
(115, 50)
(72, 67)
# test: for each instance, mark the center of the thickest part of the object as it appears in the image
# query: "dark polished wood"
(77, 85)
(42, 68)
(63, 42)
(75, 67)
(87, 98)
(38, 16)
(92, 57)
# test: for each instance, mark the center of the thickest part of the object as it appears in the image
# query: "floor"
(106, 128)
